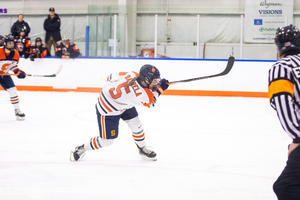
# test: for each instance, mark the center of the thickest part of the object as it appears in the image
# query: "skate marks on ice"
(207, 148)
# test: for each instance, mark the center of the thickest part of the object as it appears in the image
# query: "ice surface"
(209, 148)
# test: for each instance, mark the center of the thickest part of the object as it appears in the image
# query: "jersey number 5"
(117, 93)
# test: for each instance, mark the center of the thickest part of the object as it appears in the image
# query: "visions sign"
(262, 18)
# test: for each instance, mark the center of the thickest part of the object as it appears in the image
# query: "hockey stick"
(226, 71)
(34, 75)
(52, 75)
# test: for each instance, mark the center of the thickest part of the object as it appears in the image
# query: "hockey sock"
(137, 130)
(14, 99)
(97, 143)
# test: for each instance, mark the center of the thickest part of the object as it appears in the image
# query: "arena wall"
(247, 78)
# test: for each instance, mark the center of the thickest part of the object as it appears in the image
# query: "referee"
(284, 95)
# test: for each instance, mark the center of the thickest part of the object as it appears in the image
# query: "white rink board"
(249, 76)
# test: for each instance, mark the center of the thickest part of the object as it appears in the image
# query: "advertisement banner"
(262, 18)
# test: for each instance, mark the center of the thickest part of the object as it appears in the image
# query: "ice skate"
(147, 153)
(77, 154)
(20, 115)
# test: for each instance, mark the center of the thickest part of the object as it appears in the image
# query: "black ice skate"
(147, 153)
(77, 154)
(20, 115)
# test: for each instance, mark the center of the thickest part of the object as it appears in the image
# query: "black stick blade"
(226, 71)
(229, 66)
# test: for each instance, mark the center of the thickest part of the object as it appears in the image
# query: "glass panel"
(145, 27)
(105, 33)
(122, 47)
(79, 34)
(179, 39)
(66, 27)
(220, 26)
(176, 35)
(92, 40)
(219, 36)
(36, 24)
(4, 25)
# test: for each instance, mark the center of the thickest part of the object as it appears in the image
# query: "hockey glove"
(20, 73)
(164, 84)
(32, 56)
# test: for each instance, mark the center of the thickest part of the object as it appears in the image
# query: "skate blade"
(149, 159)
(20, 118)
(72, 159)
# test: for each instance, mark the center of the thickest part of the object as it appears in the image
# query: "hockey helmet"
(9, 38)
(38, 39)
(287, 39)
(66, 40)
(148, 73)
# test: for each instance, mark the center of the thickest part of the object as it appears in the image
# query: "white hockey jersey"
(8, 62)
(116, 96)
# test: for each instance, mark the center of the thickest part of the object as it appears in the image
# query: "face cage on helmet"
(155, 82)
(10, 49)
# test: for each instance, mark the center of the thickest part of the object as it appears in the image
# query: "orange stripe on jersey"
(76, 49)
(16, 56)
(105, 104)
(14, 100)
(124, 73)
(44, 54)
(94, 142)
(280, 86)
(28, 43)
(150, 96)
(2, 54)
(103, 127)
(139, 136)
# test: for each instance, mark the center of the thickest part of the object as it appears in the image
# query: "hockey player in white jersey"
(118, 98)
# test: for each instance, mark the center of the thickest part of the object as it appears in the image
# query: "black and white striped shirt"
(284, 91)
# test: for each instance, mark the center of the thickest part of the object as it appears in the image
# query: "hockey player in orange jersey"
(66, 49)
(22, 43)
(9, 59)
(118, 98)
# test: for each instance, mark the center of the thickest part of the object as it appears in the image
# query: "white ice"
(209, 148)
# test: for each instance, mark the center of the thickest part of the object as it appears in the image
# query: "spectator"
(66, 49)
(22, 43)
(39, 50)
(52, 28)
(18, 25)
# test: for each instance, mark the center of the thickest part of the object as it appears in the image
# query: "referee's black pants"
(287, 186)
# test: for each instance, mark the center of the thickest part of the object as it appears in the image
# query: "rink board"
(247, 78)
